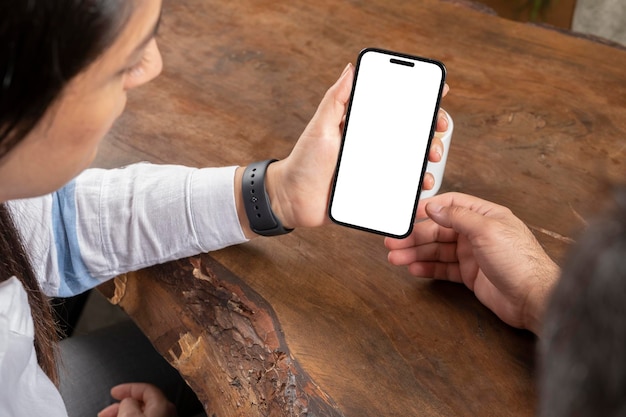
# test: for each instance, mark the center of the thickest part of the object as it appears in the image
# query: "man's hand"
(484, 246)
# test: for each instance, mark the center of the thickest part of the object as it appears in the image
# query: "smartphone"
(390, 122)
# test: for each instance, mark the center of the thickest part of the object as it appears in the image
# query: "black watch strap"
(257, 203)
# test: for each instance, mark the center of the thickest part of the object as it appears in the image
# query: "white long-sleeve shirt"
(102, 224)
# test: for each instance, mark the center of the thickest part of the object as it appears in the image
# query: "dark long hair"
(44, 44)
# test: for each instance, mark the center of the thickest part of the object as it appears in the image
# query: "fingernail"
(439, 151)
(345, 70)
(434, 208)
(443, 120)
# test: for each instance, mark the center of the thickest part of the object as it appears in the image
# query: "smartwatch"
(257, 203)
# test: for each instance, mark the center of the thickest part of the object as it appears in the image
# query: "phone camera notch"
(401, 62)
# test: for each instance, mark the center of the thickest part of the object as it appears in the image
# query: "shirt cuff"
(213, 208)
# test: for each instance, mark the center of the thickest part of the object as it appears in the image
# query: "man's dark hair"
(583, 348)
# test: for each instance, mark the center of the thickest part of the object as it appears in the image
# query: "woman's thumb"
(336, 98)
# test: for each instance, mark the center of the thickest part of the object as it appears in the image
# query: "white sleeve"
(107, 222)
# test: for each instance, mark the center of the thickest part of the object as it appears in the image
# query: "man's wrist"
(538, 299)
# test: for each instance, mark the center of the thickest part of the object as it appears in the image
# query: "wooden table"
(316, 322)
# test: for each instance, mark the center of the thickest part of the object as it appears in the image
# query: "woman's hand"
(299, 186)
(484, 246)
(436, 147)
(138, 400)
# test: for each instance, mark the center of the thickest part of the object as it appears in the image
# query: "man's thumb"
(460, 219)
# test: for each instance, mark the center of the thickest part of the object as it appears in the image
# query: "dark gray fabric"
(91, 364)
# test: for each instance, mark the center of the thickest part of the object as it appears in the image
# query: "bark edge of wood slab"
(236, 350)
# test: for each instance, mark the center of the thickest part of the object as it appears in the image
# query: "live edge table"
(317, 323)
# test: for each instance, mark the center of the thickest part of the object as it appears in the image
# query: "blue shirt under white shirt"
(102, 224)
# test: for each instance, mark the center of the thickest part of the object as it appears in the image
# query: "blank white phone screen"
(388, 129)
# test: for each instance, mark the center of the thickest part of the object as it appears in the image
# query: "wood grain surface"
(540, 127)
